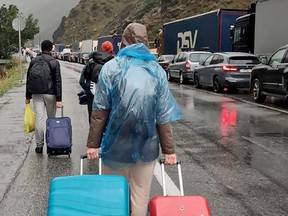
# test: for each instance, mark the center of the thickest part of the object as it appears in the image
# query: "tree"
(31, 29)
(9, 40)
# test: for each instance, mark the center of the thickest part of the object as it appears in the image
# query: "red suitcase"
(178, 205)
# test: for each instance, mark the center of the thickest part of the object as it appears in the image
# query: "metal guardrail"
(4, 61)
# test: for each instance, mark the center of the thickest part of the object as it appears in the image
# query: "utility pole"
(18, 24)
(39, 40)
(20, 56)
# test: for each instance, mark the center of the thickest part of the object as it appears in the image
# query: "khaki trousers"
(44, 105)
(140, 179)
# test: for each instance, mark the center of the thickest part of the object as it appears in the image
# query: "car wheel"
(181, 79)
(216, 85)
(196, 81)
(257, 91)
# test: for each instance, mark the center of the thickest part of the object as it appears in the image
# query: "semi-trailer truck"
(86, 46)
(263, 30)
(210, 31)
(59, 47)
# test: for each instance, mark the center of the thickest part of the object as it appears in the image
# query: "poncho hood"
(138, 50)
(134, 33)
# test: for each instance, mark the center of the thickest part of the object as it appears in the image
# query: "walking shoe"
(39, 150)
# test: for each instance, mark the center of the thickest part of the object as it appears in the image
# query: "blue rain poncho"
(134, 87)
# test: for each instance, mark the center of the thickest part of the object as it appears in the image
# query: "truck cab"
(243, 34)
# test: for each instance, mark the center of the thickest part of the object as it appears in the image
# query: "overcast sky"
(48, 12)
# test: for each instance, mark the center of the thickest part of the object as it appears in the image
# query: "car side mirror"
(264, 60)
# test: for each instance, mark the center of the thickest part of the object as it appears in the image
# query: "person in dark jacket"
(45, 101)
(96, 60)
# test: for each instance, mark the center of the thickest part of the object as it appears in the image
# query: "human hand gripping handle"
(178, 163)
(59, 104)
(170, 159)
(82, 157)
(92, 153)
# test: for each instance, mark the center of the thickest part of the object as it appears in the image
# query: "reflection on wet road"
(240, 129)
(240, 140)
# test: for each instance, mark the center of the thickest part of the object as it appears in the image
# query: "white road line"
(172, 189)
(260, 145)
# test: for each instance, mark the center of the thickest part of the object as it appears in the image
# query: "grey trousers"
(140, 180)
(44, 105)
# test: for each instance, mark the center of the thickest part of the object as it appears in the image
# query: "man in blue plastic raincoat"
(132, 111)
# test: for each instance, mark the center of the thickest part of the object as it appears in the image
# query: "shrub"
(10, 76)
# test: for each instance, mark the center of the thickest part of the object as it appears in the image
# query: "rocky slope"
(93, 18)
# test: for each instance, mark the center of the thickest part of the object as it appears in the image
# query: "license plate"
(245, 70)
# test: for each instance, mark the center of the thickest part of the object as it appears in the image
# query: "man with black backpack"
(44, 86)
(91, 71)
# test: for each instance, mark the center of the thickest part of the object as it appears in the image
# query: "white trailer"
(87, 46)
(271, 30)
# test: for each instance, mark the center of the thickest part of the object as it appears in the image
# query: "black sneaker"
(39, 150)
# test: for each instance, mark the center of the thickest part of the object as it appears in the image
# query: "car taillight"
(187, 66)
(166, 65)
(227, 68)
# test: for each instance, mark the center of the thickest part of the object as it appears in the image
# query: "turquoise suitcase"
(87, 195)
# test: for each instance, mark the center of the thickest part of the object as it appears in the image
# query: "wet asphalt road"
(234, 153)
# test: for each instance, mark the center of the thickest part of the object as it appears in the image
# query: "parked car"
(183, 65)
(226, 70)
(65, 54)
(165, 60)
(73, 56)
(271, 79)
(56, 55)
(83, 59)
(76, 57)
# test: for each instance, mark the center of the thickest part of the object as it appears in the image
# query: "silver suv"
(183, 65)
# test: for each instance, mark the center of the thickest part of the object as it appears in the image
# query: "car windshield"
(169, 58)
(244, 60)
(198, 57)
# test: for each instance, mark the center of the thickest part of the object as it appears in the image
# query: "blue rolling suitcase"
(88, 195)
(59, 135)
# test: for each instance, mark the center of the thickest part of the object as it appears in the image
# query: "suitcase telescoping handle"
(82, 157)
(62, 112)
(162, 162)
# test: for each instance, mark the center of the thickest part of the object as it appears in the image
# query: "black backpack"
(87, 73)
(92, 71)
(95, 72)
(95, 65)
(39, 79)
